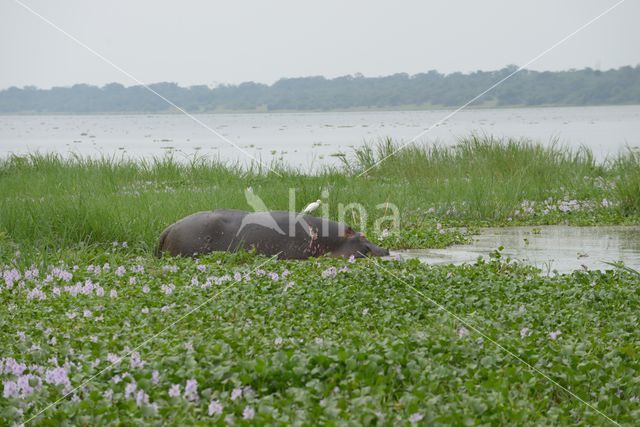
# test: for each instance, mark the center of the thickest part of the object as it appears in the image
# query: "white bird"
(312, 207)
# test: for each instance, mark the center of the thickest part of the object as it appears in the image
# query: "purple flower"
(329, 272)
(416, 418)
(113, 293)
(168, 289)
(36, 293)
(174, 391)
(554, 335)
(236, 393)
(191, 390)
(57, 376)
(10, 277)
(141, 397)
(24, 385)
(463, 332)
(120, 271)
(155, 377)
(145, 289)
(215, 408)
(129, 390)
(248, 413)
(10, 389)
(170, 268)
(136, 360)
(525, 332)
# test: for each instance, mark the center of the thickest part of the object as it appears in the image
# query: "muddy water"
(558, 249)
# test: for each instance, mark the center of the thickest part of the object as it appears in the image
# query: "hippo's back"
(201, 232)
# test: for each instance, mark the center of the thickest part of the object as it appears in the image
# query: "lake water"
(310, 139)
(550, 248)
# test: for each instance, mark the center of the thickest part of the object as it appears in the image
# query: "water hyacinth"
(236, 393)
(554, 335)
(136, 361)
(416, 418)
(329, 272)
(167, 289)
(130, 389)
(141, 398)
(215, 408)
(249, 334)
(10, 277)
(191, 390)
(174, 391)
(565, 205)
(170, 268)
(58, 376)
(248, 413)
(138, 269)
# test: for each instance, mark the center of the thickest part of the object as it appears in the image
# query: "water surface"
(550, 248)
(309, 140)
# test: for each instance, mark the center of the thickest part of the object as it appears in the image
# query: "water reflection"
(560, 248)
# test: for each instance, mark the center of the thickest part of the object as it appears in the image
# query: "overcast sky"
(207, 42)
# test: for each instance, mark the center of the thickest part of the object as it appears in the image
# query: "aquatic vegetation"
(92, 319)
(311, 342)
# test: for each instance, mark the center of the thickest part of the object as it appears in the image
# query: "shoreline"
(312, 111)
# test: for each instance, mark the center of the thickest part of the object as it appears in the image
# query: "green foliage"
(627, 187)
(431, 89)
(359, 346)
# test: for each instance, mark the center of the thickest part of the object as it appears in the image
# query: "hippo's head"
(356, 244)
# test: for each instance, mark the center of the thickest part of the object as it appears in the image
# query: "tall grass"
(627, 166)
(490, 174)
(50, 201)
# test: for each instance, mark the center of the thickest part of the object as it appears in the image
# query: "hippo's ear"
(349, 232)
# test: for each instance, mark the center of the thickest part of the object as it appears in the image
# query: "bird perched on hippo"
(288, 235)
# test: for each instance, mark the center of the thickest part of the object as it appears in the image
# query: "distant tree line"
(431, 89)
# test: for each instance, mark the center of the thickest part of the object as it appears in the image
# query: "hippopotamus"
(288, 235)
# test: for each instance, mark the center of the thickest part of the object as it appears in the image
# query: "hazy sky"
(211, 42)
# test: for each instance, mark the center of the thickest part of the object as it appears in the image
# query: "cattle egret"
(312, 207)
